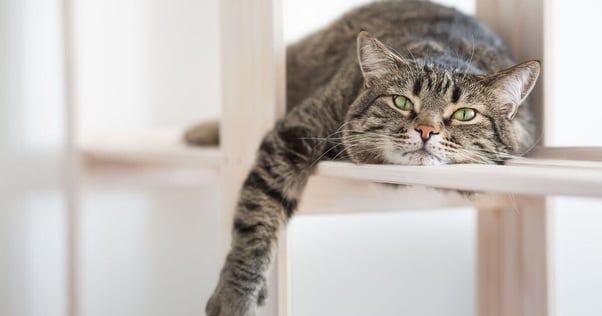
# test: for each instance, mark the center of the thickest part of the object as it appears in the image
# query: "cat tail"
(202, 134)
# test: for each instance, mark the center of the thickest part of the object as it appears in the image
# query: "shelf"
(159, 158)
(163, 156)
(568, 153)
(158, 149)
(335, 195)
(526, 176)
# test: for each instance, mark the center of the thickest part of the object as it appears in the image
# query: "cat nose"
(426, 131)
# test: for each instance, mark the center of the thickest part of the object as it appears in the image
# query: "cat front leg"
(269, 196)
(267, 200)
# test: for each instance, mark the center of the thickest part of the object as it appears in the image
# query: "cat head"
(412, 112)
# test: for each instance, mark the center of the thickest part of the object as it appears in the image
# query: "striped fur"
(339, 99)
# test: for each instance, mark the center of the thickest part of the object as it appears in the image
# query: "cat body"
(427, 85)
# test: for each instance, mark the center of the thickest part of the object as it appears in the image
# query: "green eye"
(465, 114)
(403, 103)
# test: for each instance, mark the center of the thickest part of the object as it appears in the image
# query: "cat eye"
(464, 114)
(403, 103)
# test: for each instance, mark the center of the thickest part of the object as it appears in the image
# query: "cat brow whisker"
(419, 71)
(471, 57)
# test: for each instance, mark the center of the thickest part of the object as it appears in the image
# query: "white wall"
(149, 249)
(32, 236)
(320, 13)
(397, 263)
(576, 117)
(146, 64)
(578, 255)
(576, 88)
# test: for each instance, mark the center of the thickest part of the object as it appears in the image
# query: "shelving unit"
(341, 187)
(253, 68)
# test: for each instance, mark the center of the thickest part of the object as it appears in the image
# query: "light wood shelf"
(528, 177)
(160, 154)
(158, 158)
(149, 149)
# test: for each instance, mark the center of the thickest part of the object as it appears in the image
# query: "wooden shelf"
(331, 195)
(165, 155)
(159, 158)
(568, 153)
(163, 148)
(528, 176)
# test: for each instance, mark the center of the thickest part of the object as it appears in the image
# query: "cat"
(394, 82)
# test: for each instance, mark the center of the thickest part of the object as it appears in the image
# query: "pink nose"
(426, 131)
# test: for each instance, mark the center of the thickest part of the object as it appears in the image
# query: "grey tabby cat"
(436, 87)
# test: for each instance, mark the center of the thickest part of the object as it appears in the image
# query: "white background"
(149, 249)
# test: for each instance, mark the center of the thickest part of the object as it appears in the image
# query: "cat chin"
(417, 158)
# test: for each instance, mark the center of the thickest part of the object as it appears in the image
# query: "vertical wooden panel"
(514, 268)
(283, 278)
(514, 260)
(72, 162)
(547, 97)
(489, 276)
(253, 97)
(521, 24)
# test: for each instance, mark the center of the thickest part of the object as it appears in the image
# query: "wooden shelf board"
(167, 155)
(533, 179)
(110, 173)
(161, 148)
(159, 158)
(567, 153)
(329, 195)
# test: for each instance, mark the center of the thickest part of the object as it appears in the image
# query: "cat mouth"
(423, 156)
(417, 157)
(421, 152)
(418, 151)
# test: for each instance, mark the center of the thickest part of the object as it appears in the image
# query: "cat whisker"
(348, 142)
(372, 150)
(470, 155)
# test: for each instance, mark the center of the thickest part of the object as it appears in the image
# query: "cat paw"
(229, 302)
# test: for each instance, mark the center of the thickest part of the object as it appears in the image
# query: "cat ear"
(375, 58)
(512, 86)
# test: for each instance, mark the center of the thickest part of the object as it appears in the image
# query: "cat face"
(417, 113)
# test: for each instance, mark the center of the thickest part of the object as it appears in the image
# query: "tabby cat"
(428, 85)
